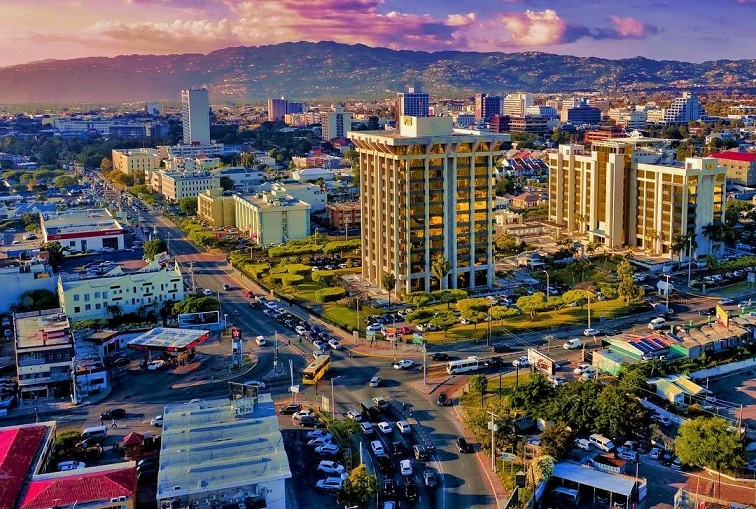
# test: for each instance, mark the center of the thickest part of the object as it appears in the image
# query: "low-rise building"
(83, 230)
(312, 174)
(344, 214)
(269, 219)
(741, 167)
(243, 178)
(306, 192)
(191, 150)
(17, 278)
(191, 164)
(44, 352)
(136, 161)
(175, 186)
(217, 208)
(215, 453)
(134, 292)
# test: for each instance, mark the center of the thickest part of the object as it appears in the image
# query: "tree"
(440, 268)
(360, 487)
(226, 183)
(114, 310)
(196, 304)
(389, 283)
(188, 206)
(444, 321)
(479, 383)
(711, 442)
(154, 247)
(35, 300)
(556, 440)
(65, 181)
(54, 252)
(106, 164)
(542, 469)
(627, 289)
(532, 304)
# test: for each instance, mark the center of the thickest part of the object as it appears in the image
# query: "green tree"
(226, 183)
(389, 283)
(710, 442)
(106, 164)
(444, 321)
(627, 289)
(556, 440)
(196, 304)
(154, 247)
(420, 299)
(360, 487)
(440, 268)
(54, 252)
(114, 310)
(188, 206)
(532, 304)
(35, 300)
(65, 181)
(479, 383)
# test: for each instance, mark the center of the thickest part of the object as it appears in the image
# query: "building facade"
(44, 353)
(414, 102)
(83, 230)
(195, 116)
(335, 123)
(175, 186)
(344, 214)
(20, 277)
(426, 192)
(311, 194)
(486, 106)
(631, 192)
(268, 219)
(741, 167)
(136, 161)
(683, 109)
(277, 109)
(216, 209)
(517, 104)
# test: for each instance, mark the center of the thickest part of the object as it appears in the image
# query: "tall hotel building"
(195, 116)
(414, 103)
(426, 191)
(631, 192)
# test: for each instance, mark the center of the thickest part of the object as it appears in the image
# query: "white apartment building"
(191, 164)
(176, 186)
(311, 194)
(195, 116)
(631, 192)
(18, 278)
(517, 104)
(629, 118)
(269, 219)
(684, 109)
(136, 161)
(543, 111)
(335, 123)
(134, 292)
(185, 150)
(243, 178)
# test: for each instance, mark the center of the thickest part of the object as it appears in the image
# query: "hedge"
(341, 246)
(329, 294)
(294, 250)
(299, 268)
(291, 279)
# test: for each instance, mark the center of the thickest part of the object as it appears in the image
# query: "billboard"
(723, 315)
(542, 362)
(188, 320)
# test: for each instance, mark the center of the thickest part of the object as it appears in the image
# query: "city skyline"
(655, 29)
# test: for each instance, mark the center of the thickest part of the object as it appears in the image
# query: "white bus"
(463, 366)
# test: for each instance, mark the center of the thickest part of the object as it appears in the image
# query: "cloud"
(628, 28)
(533, 28)
(458, 20)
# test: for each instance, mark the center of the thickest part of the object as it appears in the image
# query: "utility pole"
(667, 290)
(493, 426)
(690, 255)
(425, 365)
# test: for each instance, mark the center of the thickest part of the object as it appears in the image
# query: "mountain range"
(304, 70)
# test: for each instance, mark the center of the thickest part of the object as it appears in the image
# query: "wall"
(14, 284)
(724, 369)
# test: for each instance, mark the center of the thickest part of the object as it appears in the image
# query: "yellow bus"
(316, 370)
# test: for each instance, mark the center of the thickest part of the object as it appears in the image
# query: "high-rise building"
(516, 105)
(414, 103)
(427, 192)
(631, 192)
(295, 107)
(335, 123)
(486, 106)
(580, 112)
(684, 109)
(277, 109)
(195, 116)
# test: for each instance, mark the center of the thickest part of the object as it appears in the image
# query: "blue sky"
(692, 30)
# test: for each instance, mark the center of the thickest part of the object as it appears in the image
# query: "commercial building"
(311, 194)
(336, 123)
(44, 353)
(543, 111)
(175, 186)
(195, 116)
(277, 109)
(178, 344)
(593, 135)
(216, 208)
(344, 214)
(582, 113)
(18, 277)
(517, 104)
(426, 192)
(486, 106)
(414, 102)
(222, 453)
(631, 192)
(629, 118)
(243, 178)
(136, 161)
(134, 292)
(191, 150)
(272, 219)
(528, 124)
(741, 167)
(83, 230)
(683, 109)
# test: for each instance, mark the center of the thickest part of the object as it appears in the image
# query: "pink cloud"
(533, 28)
(458, 20)
(628, 28)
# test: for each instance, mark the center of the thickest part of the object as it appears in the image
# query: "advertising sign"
(723, 316)
(541, 362)
(236, 333)
(193, 319)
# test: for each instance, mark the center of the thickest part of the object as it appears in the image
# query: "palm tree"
(440, 268)
(713, 232)
(679, 244)
(652, 236)
(579, 220)
(389, 282)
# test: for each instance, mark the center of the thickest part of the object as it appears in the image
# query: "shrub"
(291, 279)
(299, 268)
(329, 294)
(341, 246)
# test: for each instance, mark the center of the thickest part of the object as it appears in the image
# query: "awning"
(619, 484)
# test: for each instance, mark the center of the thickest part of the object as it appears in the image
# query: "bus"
(463, 366)
(316, 370)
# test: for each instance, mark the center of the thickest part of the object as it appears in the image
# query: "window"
(97, 295)
(76, 298)
(88, 307)
(86, 297)
(77, 309)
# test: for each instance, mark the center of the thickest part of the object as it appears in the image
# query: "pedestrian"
(350, 354)
(113, 424)
(102, 423)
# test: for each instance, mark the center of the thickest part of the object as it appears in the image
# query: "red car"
(401, 331)
(249, 294)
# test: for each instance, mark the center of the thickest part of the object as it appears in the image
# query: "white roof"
(619, 484)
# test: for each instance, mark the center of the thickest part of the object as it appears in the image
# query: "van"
(572, 344)
(601, 442)
(657, 323)
(566, 496)
(94, 432)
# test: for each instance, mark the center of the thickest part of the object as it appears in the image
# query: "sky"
(689, 30)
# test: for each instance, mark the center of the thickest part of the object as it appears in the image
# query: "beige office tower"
(631, 192)
(426, 191)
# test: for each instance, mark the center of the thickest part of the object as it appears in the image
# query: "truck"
(370, 410)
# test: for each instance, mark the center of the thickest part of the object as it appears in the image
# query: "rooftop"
(80, 221)
(574, 472)
(268, 200)
(74, 488)
(42, 328)
(748, 157)
(206, 447)
(18, 451)
(168, 339)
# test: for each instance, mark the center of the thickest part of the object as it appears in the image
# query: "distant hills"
(305, 70)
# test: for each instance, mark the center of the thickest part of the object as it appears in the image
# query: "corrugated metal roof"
(587, 476)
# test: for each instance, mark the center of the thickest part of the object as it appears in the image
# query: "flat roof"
(93, 220)
(169, 339)
(42, 328)
(620, 484)
(206, 447)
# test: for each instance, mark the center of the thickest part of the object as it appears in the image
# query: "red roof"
(735, 156)
(18, 448)
(80, 488)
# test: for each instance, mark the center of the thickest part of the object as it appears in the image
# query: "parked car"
(330, 484)
(521, 362)
(661, 419)
(333, 343)
(354, 415)
(156, 365)
(157, 420)
(439, 357)
(290, 409)
(317, 442)
(330, 467)
(256, 383)
(318, 433)
(384, 427)
(375, 381)
(583, 443)
(327, 449)
(591, 332)
(403, 427)
(404, 364)
(494, 362)
(377, 448)
(302, 413)
(463, 446)
(667, 457)
(655, 453)
(113, 413)
(582, 368)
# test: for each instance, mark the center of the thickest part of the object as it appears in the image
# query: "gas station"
(177, 344)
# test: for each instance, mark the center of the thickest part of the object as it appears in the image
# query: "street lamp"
(690, 255)
(667, 292)
(493, 427)
(547, 284)
(333, 400)
(225, 322)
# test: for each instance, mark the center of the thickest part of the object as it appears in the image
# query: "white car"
(405, 467)
(375, 381)
(726, 302)
(367, 428)
(384, 427)
(300, 330)
(317, 442)
(261, 341)
(330, 467)
(303, 413)
(63, 466)
(354, 415)
(327, 449)
(425, 327)
(256, 383)
(332, 484)
(521, 362)
(582, 443)
(403, 427)
(317, 433)
(317, 353)
(377, 448)
(582, 368)
(333, 343)
(404, 364)
(207, 291)
(591, 332)
(157, 420)
(155, 365)
(374, 327)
